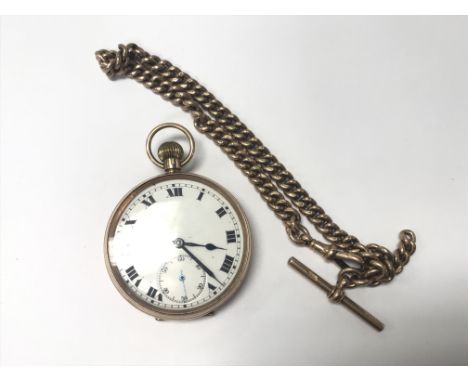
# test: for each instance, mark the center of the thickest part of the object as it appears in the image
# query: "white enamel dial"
(177, 244)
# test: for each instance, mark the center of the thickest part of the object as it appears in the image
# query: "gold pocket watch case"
(177, 246)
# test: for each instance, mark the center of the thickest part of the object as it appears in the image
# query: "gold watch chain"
(361, 265)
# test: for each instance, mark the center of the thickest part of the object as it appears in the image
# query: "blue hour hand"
(209, 246)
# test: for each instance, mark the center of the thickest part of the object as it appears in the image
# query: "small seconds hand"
(182, 278)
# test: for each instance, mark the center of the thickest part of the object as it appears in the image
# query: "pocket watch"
(177, 246)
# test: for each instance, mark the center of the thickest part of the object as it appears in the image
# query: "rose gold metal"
(328, 288)
(362, 264)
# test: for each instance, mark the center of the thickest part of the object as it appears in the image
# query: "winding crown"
(171, 154)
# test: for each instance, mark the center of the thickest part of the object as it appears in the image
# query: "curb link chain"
(361, 265)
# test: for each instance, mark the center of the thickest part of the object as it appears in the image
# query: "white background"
(369, 113)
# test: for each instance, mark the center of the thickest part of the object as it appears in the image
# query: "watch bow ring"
(164, 151)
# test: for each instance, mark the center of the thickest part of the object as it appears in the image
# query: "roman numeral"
(160, 297)
(152, 292)
(231, 236)
(138, 282)
(200, 195)
(130, 222)
(132, 273)
(221, 212)
(176, 191)
(226, 267)
(149, 201)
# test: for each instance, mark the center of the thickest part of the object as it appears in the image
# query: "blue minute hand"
(181, 244)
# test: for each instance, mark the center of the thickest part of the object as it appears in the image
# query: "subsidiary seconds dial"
(182, 280)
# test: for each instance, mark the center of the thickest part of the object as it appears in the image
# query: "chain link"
(361, 264)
